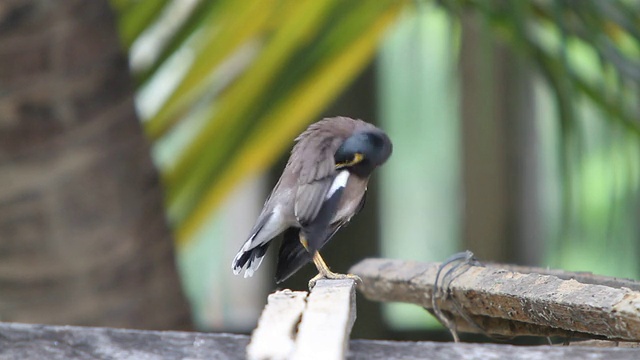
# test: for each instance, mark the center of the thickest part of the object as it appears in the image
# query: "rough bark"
(84, 239)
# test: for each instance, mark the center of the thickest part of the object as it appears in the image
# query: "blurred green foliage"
(301, 55)
(258, 71)
(234, 81)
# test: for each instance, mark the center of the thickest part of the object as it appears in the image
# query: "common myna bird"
(322, 186)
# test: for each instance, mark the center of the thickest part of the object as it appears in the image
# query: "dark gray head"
(363, 151)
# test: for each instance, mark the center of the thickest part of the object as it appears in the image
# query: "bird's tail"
(249, 258)
(292, 255)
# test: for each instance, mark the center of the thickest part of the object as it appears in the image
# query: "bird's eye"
(357, 157)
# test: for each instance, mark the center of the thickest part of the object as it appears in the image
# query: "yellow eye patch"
(356, 159)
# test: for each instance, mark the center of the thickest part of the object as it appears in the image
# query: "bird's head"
(363, 151)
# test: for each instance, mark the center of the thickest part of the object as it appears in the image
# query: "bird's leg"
(323, 270)
(325, 273)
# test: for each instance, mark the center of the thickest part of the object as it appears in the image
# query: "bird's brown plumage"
(300, 198)
(316, 172)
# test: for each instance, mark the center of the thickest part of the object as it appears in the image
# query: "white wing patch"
(339, 182)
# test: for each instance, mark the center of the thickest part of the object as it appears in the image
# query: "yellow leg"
(325, 273)
(322, 267)
(323, 270)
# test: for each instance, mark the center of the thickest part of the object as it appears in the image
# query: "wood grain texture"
(275, 336)
(26, 341)
(327, 321)
(390, 350)
(301, 325)
(519, 304)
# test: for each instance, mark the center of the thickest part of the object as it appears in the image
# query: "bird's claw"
(333, 276)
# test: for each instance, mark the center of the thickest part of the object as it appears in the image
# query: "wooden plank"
(274, 337)
(298, 325)
(327, 321)
(27, 341)
(540, 300)
(492, 326)
(605, 343)
(396, 350)
(584, 277)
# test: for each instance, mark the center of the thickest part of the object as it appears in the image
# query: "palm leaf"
(303, 54)
(289, 115)
(136, 16)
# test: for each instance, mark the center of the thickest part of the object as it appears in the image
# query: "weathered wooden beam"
(581, 276)
(275, 336)
(26, 341)
(299, 325)
(508, 328)
(541, 303)
(605, 343)
(327, 321)
(396, 350)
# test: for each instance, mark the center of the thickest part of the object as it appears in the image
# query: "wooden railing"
(493, 299)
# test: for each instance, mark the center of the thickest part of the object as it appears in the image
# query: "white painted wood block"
(327, 321)
(298, 325)
(275, 336)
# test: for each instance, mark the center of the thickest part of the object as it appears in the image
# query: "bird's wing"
(320, 189)
(317, 230)
(292, 255)
(309, 199)
(342, 222)
(316, 172)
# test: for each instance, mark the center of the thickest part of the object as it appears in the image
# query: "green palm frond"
(291, 59)
(603, 32)
(259, 71)
(134, 17)
(588, 52)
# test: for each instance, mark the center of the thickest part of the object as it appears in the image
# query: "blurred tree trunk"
(502, 212)
(83, 235)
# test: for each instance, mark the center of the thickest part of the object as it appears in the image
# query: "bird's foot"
(333, 276)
